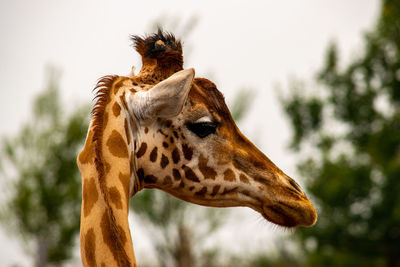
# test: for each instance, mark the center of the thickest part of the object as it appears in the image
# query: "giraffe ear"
(165, 99)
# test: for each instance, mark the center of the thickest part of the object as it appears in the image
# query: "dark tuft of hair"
(146, 45)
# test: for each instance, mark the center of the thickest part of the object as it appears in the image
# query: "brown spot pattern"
(190, 175)
(202, 192)
(150, 179)
(175, 155)
(153, 154)
(90, 195)
(208, 172)
(142, 150)
(125, 180)
(167, 180)
(116, 108)
(117, 145)
(187, 152)
(140, 174)
(244, 179)
(176, 174)
(146, 130)
(229, 175)
(164, 161)
(165, 144)
(118, 85)
(90, 248)
(115, 197)
(215, 190)
(115, 90)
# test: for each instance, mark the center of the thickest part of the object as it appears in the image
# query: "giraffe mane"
(102, 97)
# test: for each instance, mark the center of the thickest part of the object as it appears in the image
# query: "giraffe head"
(187, 144)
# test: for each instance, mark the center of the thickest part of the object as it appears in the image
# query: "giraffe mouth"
(290, 215)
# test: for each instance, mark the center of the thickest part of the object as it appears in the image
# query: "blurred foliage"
(43, 183)
(278, 257)
(351, 125)
(241, 103)
(174, 228)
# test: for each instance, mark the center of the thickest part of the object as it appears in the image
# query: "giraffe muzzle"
(290, 214)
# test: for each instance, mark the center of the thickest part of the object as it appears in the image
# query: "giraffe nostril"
(295, 186)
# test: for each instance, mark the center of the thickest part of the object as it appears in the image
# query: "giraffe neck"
(108, 177)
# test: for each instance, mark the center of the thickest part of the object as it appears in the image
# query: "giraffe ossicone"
(165, 129)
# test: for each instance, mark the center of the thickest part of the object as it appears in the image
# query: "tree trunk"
(41, 253)
(184, 248)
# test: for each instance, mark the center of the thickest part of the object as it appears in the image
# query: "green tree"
(39, 167)
(350, 128)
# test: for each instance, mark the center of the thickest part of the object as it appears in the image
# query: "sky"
(257, 45)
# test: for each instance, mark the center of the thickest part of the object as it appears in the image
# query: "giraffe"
(167, 130)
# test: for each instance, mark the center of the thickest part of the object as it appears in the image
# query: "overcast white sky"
(253, 44)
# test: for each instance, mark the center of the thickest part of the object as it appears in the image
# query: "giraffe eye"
(202, 129)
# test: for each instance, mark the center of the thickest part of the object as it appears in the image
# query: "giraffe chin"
(290, 215)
